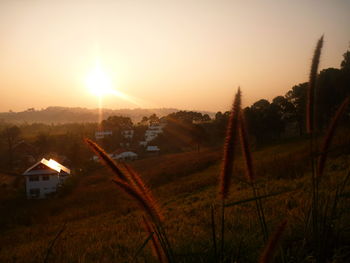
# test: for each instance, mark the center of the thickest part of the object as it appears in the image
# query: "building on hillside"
(102, 134)
(44, 178)
(121, 155)
(127, 156)
(143, 143)
(152, 132)
(152, 150)
(128, 134)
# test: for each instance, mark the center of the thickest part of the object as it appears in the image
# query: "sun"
(99, 83)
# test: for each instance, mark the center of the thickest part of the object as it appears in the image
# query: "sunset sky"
(187, 54)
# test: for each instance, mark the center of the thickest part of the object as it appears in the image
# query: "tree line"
(184, 130)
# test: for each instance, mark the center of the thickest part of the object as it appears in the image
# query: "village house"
(127, 156)
(44, 178)
(152, 150)
(121, 155)
(102, 134)
(154, 129)
(127, 134)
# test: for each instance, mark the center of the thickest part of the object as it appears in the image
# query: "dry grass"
(103, 224)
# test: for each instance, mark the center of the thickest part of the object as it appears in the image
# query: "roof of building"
(46, 167)
(127, 154)
(152, 148)
(119, 151)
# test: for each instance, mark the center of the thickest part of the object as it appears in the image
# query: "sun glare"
(99, 83)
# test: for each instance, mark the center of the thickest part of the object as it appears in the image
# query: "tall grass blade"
(150, 210)
(155, 242)
(138, 251)
(213, 229)
(246, 149)
(250, 173)
(255, 198)
(135, 179)
(162, 237)
(330, 134)
(49, 249)
(272, 243)
(108, 161)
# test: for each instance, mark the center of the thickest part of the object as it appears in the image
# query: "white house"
(152, 132)
(127, 156)
(102, 134)
(128, 134)
(153, 150)
(44, 177)
(121, 155)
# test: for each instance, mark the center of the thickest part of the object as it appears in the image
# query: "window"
(34, 192)
(33, 178)
(46, 177)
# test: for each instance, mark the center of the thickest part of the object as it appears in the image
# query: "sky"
(185, 54)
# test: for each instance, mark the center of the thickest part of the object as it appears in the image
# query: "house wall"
(45, 186)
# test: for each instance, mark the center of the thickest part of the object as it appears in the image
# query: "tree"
(265, 119)
(285, 108)
(297, 97)
(188, 116)
(198, 134)
(117, 123)
(12, 136)
(153, 118)
(345, 74)
(345, 64)
(329, 95)
(42, 143)
(220, 123)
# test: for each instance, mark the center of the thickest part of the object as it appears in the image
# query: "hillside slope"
(103, 225)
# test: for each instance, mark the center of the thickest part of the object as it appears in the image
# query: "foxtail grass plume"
(330, 134)
(148, 207)
(272, 243)
(310, 111)
(106, 159)
(246, 148)
(129, 182)
(135, 180)
(230, 146)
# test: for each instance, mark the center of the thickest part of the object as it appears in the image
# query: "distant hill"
(68, 115)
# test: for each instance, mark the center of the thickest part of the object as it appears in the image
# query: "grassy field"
(101, 224)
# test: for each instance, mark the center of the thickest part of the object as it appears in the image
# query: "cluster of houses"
(46, 176)
(120, 155)
(152, 132)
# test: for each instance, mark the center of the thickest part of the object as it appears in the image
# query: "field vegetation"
(273, 198)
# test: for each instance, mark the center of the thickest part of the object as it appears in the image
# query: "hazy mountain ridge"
(55, 114)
